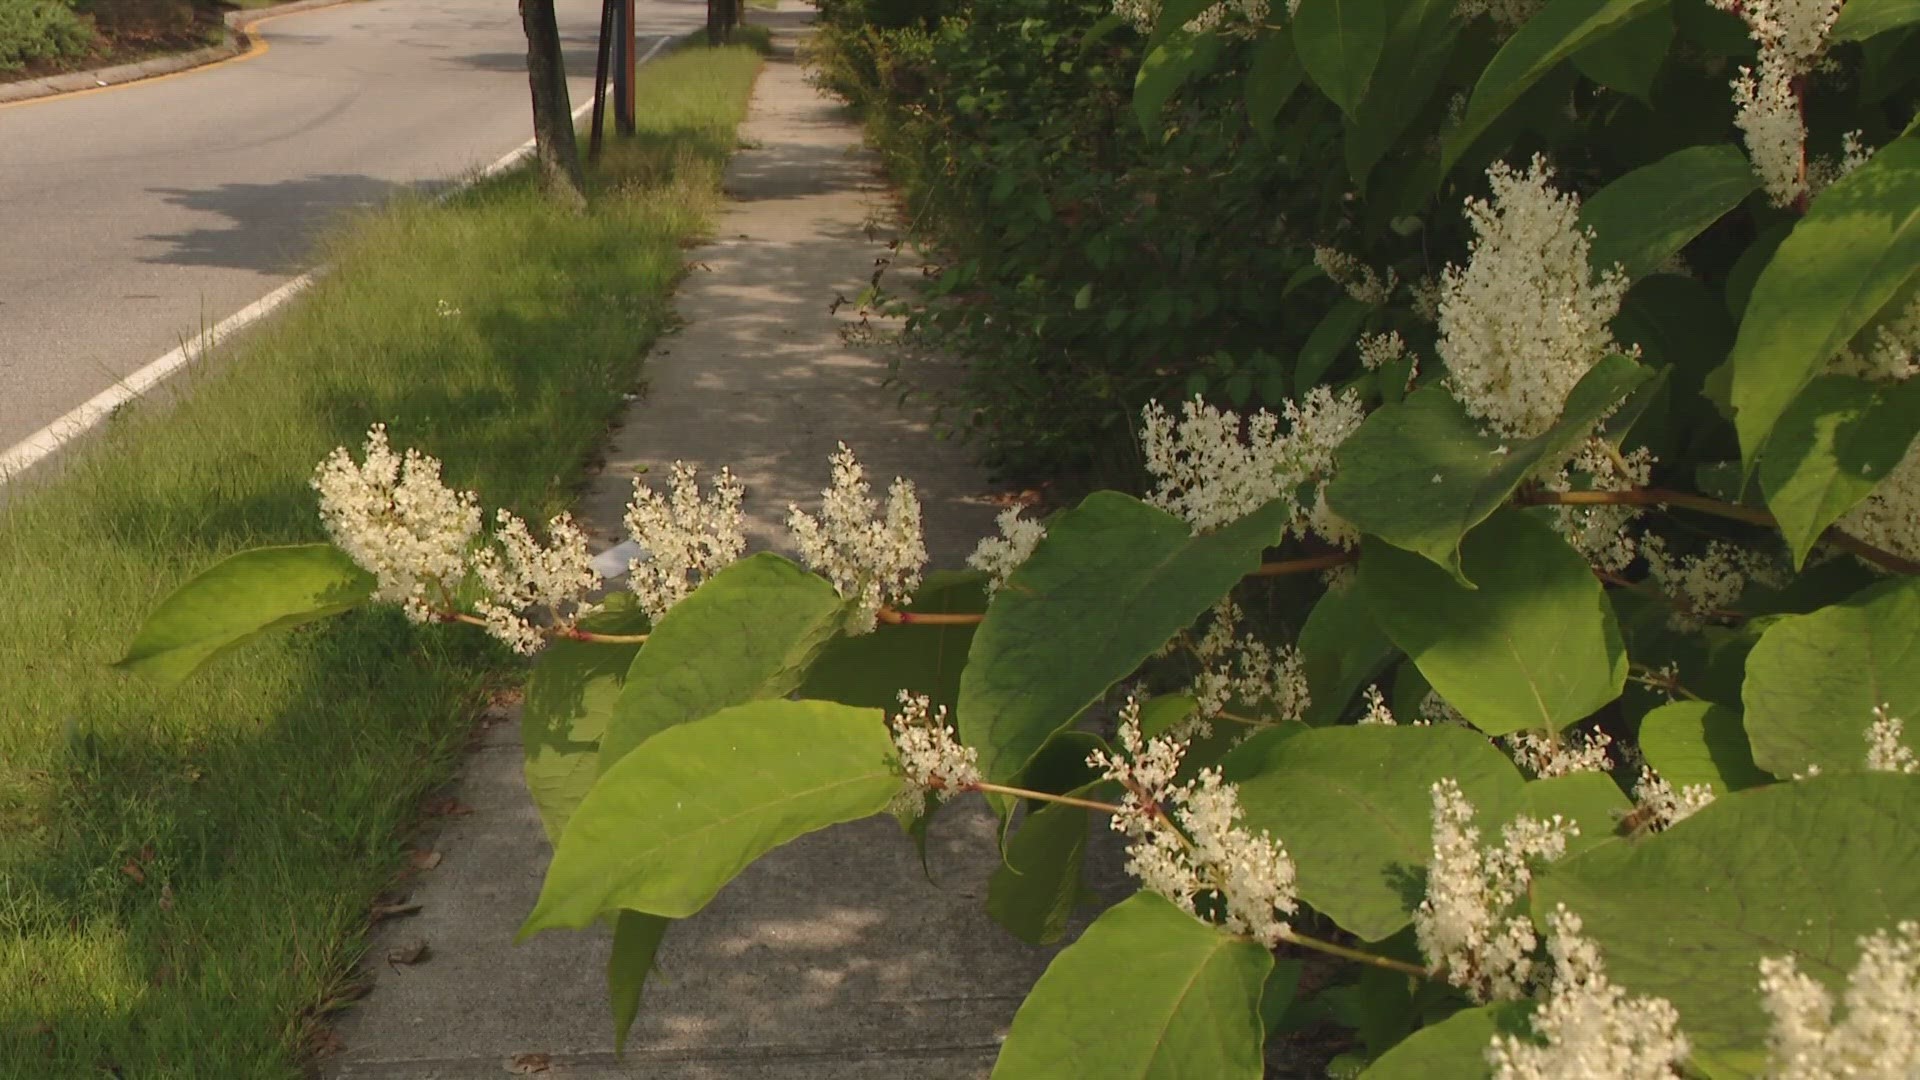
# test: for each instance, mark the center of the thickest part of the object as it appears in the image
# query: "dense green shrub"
(40, 30)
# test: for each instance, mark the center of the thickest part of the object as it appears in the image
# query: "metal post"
(625, 114)
(600, 80)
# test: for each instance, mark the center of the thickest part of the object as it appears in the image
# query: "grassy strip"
(185, 878)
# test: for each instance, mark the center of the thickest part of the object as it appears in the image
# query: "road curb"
(240, 42)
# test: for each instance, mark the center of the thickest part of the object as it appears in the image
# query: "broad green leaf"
(1339, 42)
(1857, 247)
(1420, 475)
(686, 811)
(749, 633)
(1174, 17)
(570, 697)
(1159, 713)
(1113, 581)
(872, 669)
(1271, 79)
(1279, 993)
(1033, 890)
(1630, 58)
(1416, 52)
(1834, 443)
(1456, 1047)
(1698, 742)
(1814, 680)
(1334, 333)
(240, 597)
(1556, 32)
(1645, 217)
(1535, 646)
(1805, 868)
(1148, 993)
(1862, 19)
(1166, 68)
(1589, 799)
(1340, 650)
(1354, 808)
(636, 939)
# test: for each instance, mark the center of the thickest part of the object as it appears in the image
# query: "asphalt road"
(133, 217)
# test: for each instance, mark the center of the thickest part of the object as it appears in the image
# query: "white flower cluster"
(1889, 517)
(394, 518)
(1548, 755)
(1824, 172)
(1894, 355)
(1885, 751)
(1593, 1029)
(876, 559)
(1659, 807)
(687, 538)
(1703, 587)
(1880, 1035)
(1379, 350)
(1185, 840)
(1508, 14)
(1227, 17)
(518, 573)
(1792, 36)
(1212, 469)
(1526, 318)
(1435, 709)
(999, 556)
(1602, 533)
(1464, 925)
(1237, 667)
(1362, 282)
(1377, 713)
(931, 758)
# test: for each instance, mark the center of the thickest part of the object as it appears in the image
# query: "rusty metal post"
(625, 113)
(600, 79)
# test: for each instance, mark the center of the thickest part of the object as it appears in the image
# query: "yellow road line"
(256, 47)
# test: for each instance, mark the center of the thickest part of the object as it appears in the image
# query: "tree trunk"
(554, 145)
(716, 21)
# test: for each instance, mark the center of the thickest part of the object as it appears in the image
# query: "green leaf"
(570, 697)
(1814, 680)
(239, 598)
(686, 811)
(1834, 444)
(748, 633)
(636, 939)
(1557, 31)
(1174, 17)
(1272, 77)
(1645, 217)
(1167, 67)
(1698, 742)
(1333, 333)
(1279, 993)
(871, 669)
(1416, 51)
(1339, 42)
(1420, 475)
(1687, 914)
(1113, 581)
(1535, 646)
(1455, 1047)
(1857, 247)
(1340, 650)
(1033, 890)
(1590, 799)
(1352, 805)
(1187, 1005)
(1862, 19)
(1630, 58)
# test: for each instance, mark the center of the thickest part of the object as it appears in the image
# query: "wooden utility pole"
(624, 113)
(554, 145)
(597, 130)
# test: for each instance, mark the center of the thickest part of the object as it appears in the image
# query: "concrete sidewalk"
(835, 956)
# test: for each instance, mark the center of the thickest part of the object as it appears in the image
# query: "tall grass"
(185, 877)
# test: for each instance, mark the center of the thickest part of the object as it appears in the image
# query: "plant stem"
(894, 617)
(1043, 796)
(1705, 505)
(571, 633)
(1304, 566)
(1328, 947)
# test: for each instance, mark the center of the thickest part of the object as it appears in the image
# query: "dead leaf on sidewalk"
(446, 806)
(392, 911)
(423, 859)
(411, 953)
(528, 1064)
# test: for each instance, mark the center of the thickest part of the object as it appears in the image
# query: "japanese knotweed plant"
(1539, 665)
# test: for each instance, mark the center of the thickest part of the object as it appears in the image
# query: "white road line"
(42, 444)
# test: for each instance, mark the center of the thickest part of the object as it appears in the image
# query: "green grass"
(185, 876)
